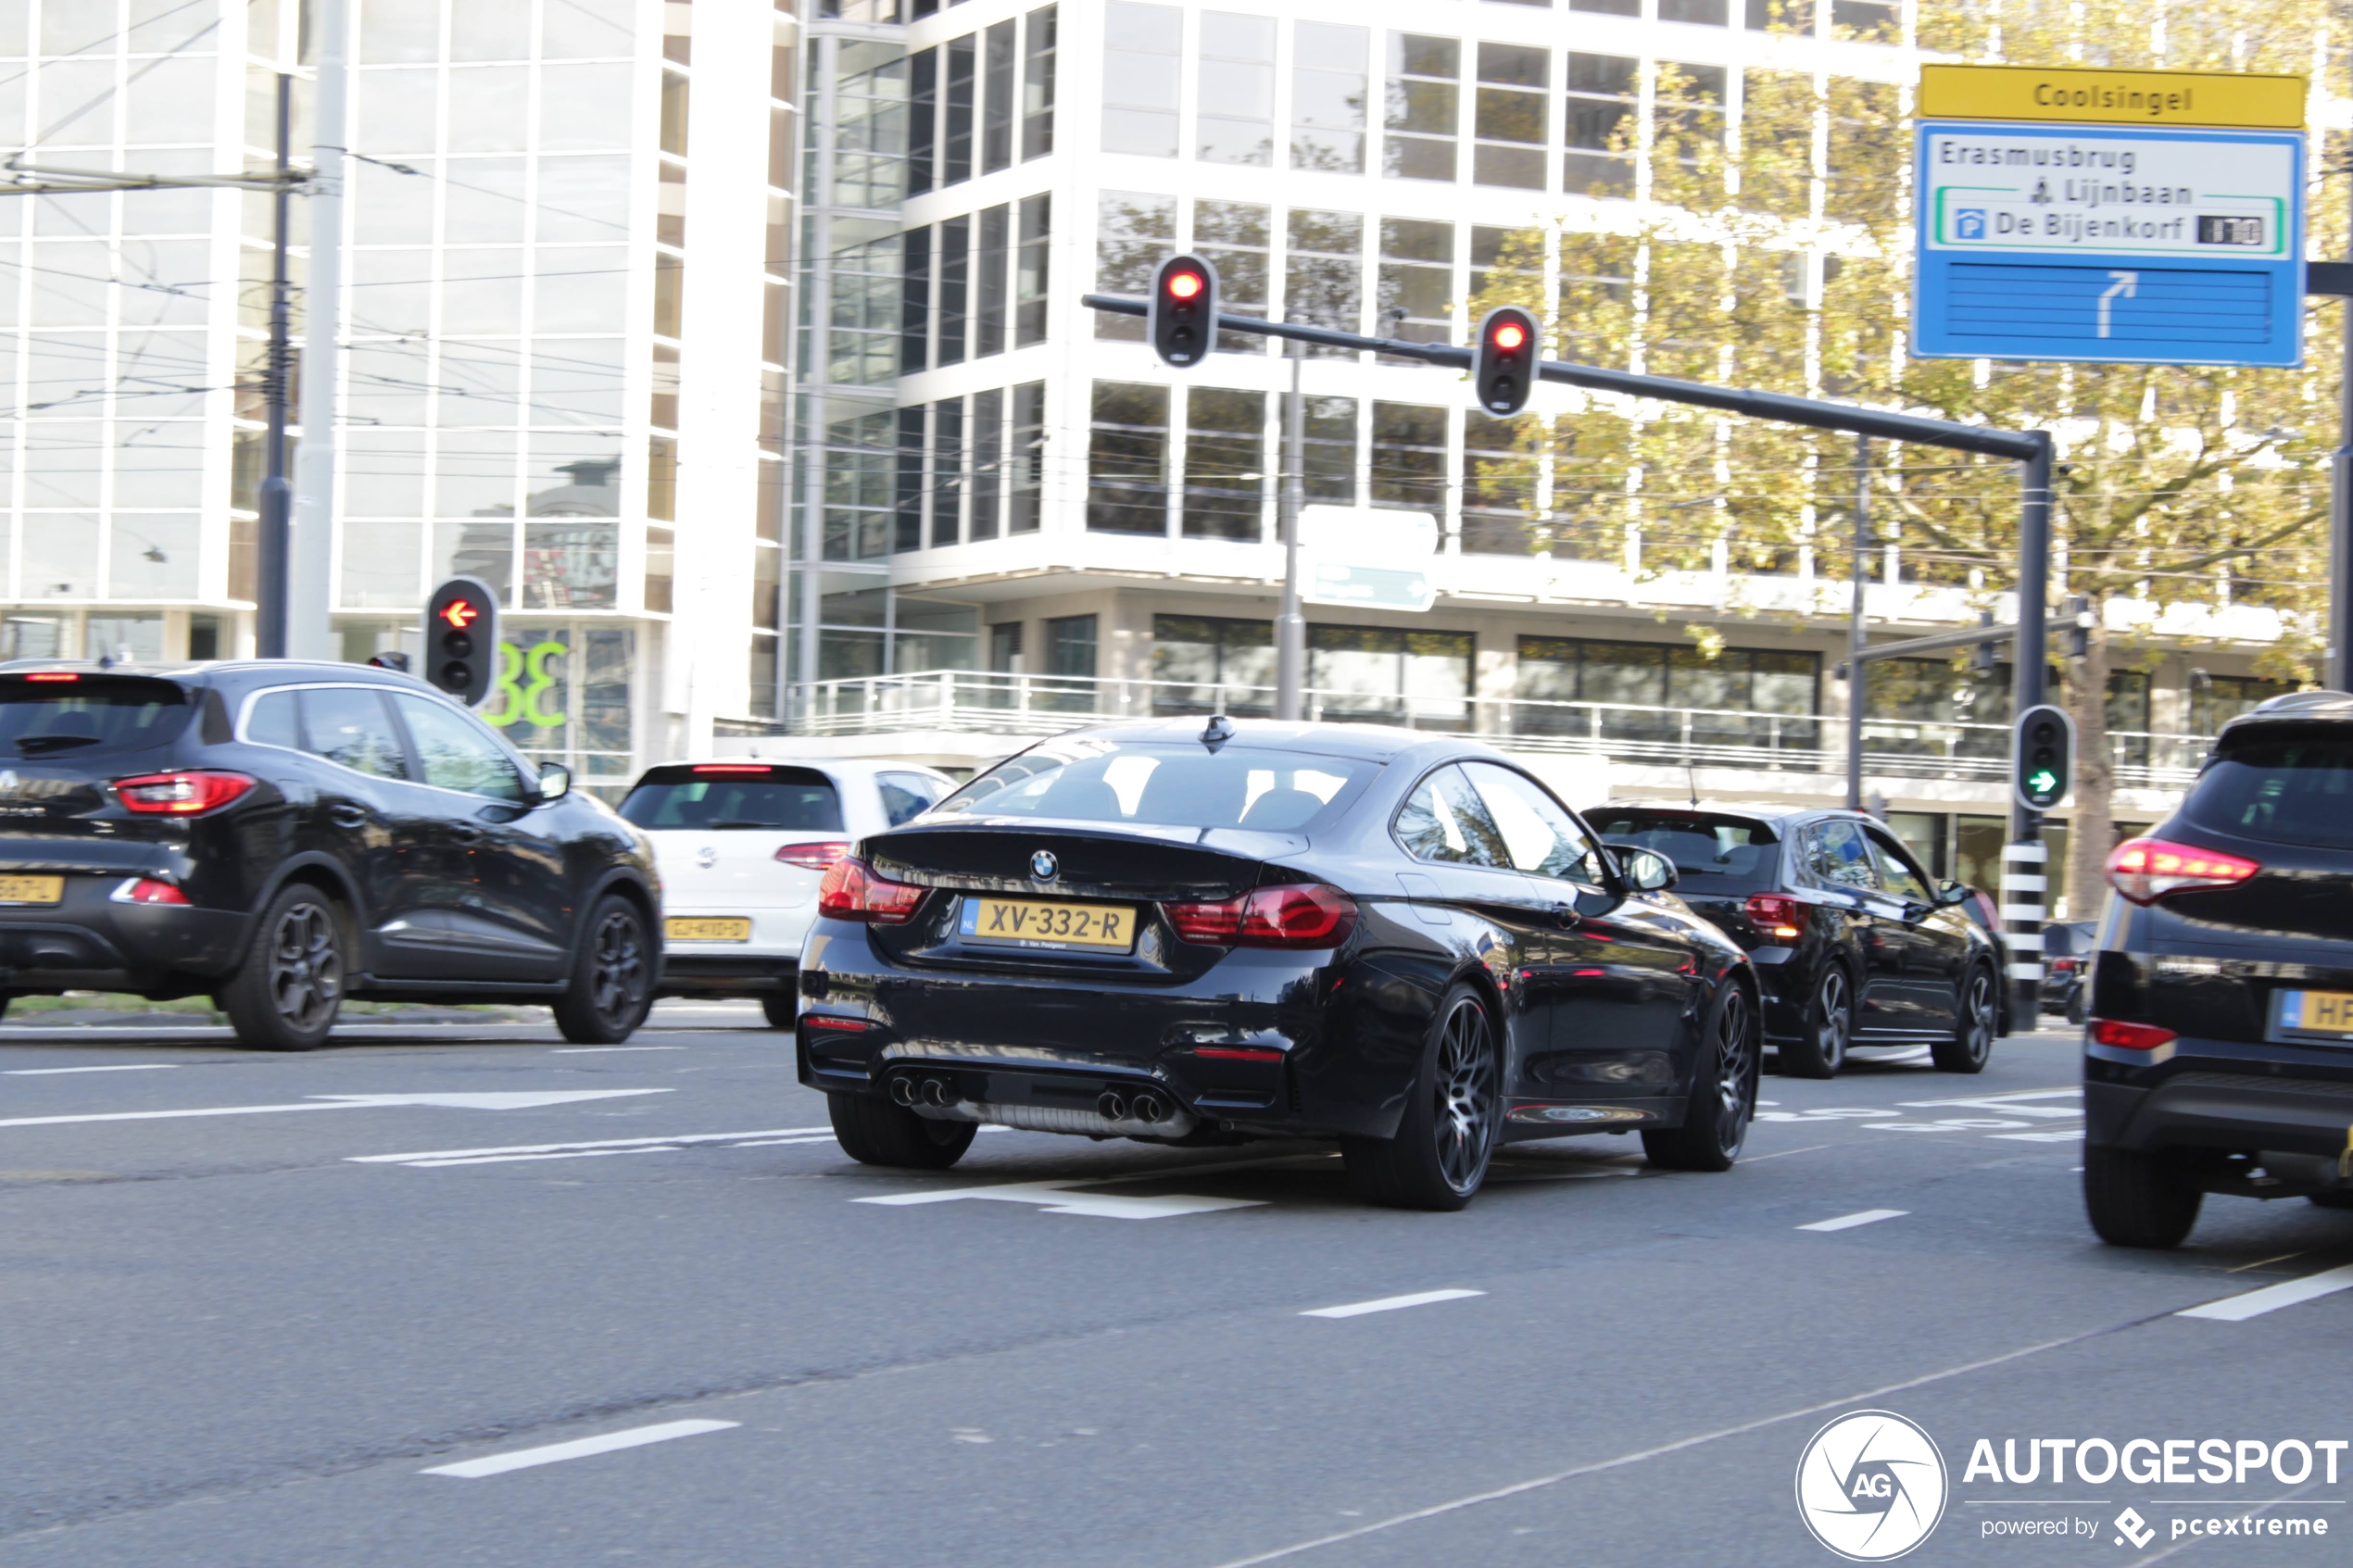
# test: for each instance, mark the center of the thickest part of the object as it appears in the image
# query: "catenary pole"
(275, 499)
(1857, 682)
(2336, 669)
(311, 548)
(2026, 859)
(1290, 626)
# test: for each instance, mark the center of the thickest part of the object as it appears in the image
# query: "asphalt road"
(252, 1306)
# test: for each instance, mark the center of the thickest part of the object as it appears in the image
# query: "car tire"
(287, 990)
(782, 1012)
(1439, 1158)
(2136, 1200)
(2078, 1012)
(873, 1132)
(611, 987)
(1723, 1097)
(1971, 1044)
(1820, 1049)
(2330, 1199)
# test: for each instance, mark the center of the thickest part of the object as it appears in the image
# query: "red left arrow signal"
(460, 614)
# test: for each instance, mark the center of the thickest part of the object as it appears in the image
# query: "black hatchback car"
(281, 837)
(1852, 945)
(2219, 1053)
(1198, 933)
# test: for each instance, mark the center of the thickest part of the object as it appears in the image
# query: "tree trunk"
(2092, 828)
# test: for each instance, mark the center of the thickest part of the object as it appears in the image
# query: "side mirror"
(1950, 894)
(554, 781)
(1646, 871)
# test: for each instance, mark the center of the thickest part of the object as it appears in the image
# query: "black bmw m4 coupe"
(1204, 932)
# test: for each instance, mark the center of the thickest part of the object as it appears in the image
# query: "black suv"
(2219, 1053)
(282, 835)
(1852, 944)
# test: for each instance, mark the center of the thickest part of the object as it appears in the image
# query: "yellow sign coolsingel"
(2074, 95)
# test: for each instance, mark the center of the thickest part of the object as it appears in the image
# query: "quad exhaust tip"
(1146, 1107)
(936, 1092)
(1111, 1105)
(902, 1090)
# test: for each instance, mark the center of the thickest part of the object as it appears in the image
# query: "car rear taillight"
(180, 795)
(1777, 916)
(813, 857)
(2129, 1036)
(2065, 966)
(1295, 915)
(147, 890)
(2144, 869)
(852, 891)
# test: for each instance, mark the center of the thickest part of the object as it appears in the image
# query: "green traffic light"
(2042, 781)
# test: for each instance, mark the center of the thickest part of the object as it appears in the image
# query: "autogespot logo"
(1871, 1486)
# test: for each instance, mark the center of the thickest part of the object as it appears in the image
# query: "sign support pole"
(2336, 668)
(1857, 685)
(2025, 858)
(1290, 625)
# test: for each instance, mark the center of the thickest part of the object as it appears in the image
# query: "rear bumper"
(88, 942)
(2224, 1105)
(701, 973)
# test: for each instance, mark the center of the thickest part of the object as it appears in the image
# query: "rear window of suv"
(1712, 853)
(708, 797)
(2289, 785)
(1090, 779)
(70, 714)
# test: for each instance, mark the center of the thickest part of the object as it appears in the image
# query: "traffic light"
(1503, 365)
(1182, 322)
(462, 638)
(2042, 757)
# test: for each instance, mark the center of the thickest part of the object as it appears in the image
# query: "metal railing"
(984, 702)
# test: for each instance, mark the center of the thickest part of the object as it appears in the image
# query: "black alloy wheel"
(2138, 1199)
(1723, 1098)
(1439, 1158)
(782, 1012)
(1820, 1049)
(611, 987)
(872, 1131)
(284, 997)
(1972, 1044)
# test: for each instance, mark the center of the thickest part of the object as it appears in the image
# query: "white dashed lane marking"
(556, 1453)
(1057, 1197)
(1391, 1303)
(593, 1147)
(123, 1067)
(1848, 1222)
(2271, 1299)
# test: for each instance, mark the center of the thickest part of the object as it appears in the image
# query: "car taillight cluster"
(2144, 869)
(147, 890)
(852, 891)
(1297, 915)
(819, 857)
(180, 795)
(1777, 916)
(2066, 966)
(2129, 1036)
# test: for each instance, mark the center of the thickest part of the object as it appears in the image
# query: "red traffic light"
(1183, 286)
(460, 614)
(1509, 335)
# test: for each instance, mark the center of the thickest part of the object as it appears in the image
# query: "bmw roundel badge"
(1043, 866)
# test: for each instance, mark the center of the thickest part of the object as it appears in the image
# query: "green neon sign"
(522, 683)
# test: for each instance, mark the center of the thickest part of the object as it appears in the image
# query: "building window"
(1236, 88)
(1225, 463)
(988, 319)
(1782, 16)
(1387, 676)
(1233, 237)
(1143, 53)
(2215, 700)
(1133, 233)
(1327, 96)
(1699, 13)
(1869, 22)
(1602, 93)
(1608, 7)
(947, 472)
(988, 461)
(863, 347)
(956, 140)
(1026, 461)
(673, 114)
(860, 486)
(1514, 82)
(1500, 257)
(1203, 664)
(1070, 646)
(1689, 116)
(1038, 86)
(1500, 469)
(1005, 647)
(923, 118)
(1029, 271)
(1128, 459)
(1409, 458)
(955, 284)
(1323, 273)
(662, 477)
(1753, 697)
(1331, 456)
(1863, 127)
(906, 524)
(1424, 107)
(870, 136)
(997, 123)
(914, 299)
(1417, 279)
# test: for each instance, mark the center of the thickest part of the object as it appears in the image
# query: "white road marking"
(2063, 1135)
(1848, 1222)
(2009, 1104)
(126, 1067)
(1391, 1303)
(554, 1453)
(1056, 1198)
(503, 1100)
(454, 1156)
(608, 1050)
(2271, 1299)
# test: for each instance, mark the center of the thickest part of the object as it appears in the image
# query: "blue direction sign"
(2168, 247)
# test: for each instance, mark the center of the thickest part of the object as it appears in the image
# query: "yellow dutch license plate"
(687, 928)
(1034, 923)
(2317, 1013)
(31, 889)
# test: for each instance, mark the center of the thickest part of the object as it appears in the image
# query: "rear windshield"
(2288, 785)
(1163, 784)
(779, 799)
(86, 715)
(1712, 853)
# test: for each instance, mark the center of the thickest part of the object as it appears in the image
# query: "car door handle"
(461, 833)
(1566, 914)
(348, 816)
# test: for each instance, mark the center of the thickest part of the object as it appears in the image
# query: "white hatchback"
(742, 847)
